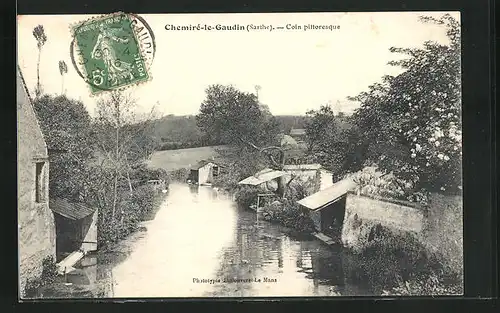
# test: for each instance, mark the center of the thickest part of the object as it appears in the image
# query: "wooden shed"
(204, 172)
(327, 207)
(76, 226)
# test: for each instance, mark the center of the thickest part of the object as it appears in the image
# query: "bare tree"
(41, 39)
(122, 137)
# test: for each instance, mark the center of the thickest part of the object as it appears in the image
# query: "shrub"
(246, 196)
(390, 259)
(48, 276)
(142, 173)
(430, 285)
(288, 213)
(132, 208)
(372, 182)
(179, 175)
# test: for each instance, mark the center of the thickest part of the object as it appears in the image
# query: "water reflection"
(199, 234)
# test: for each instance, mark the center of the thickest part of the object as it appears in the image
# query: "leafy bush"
(391, 260)
(372, 182)
(143, 173)
(48, 276)
(425, 286)
(246, 196)
(132, 208)
(180, 175)
(288, 213)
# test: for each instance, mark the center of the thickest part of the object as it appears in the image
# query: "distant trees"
(41, 39)
(412, 122)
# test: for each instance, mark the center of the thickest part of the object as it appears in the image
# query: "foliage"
(321, 122)
(66, 126)
(237, 164)
(123, 140)
(123, 136)
(288, 213)
(287, 122)
(142, 173)
(372, 182)
(332, 140)
(246, 196)
(430, 285)
(411, 122)
(181, 132)
(48, 276)
(230, 116)
(180, 175)
(392, 259)
(134, 207)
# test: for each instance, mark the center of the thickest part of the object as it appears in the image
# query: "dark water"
(201, 245)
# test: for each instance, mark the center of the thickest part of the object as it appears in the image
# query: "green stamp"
(109, 54)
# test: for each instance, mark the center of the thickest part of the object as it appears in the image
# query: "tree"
(230, 116)
(63, 69)
(320, 122)
(41, 39)
(237, 119)
(66, 126)
(124, 139)
(332, 140)
(412, 122)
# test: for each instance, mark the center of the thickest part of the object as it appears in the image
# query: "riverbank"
(393, 263)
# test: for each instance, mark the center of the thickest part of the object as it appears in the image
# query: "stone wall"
(363, 213)
(35, 220)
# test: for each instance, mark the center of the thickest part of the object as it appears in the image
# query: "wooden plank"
(324, 238)
(69, 261)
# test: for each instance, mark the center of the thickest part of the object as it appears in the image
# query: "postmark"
(113, 52)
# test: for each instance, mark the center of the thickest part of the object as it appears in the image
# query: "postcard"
(239, 155)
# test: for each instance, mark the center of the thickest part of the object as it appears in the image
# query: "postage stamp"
(111, 52)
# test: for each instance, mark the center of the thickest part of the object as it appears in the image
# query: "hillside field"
(171, 160)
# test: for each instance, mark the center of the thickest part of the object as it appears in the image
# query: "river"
(200, 245)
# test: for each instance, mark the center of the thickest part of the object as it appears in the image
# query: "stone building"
(36, 229)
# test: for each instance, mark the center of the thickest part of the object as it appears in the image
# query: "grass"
(171, 160)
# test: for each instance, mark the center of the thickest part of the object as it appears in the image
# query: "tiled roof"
(71, 210)
(261, 177)
(321, 198)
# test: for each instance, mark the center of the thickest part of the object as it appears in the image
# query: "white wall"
(90, 235)
(204, 173)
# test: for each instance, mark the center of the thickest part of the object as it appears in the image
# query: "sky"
(297, 70)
